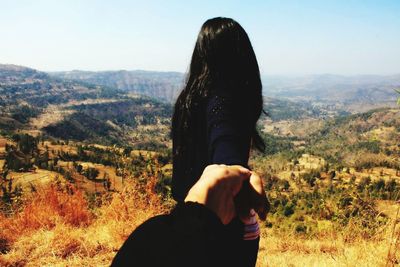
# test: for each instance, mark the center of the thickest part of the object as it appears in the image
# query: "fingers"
(256, 182)
(259, 199)
(235, 177)
(261, 206)
(236, 185)
(232, 170)
(240, 169)
(230, 177)
(239, 172)
(243, 200)
(252, 196)
(216, 189)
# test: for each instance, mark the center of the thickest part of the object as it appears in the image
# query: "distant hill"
(114, 106)
(357, 93)
(374, 134)
(37, 103)
(354, 93)
(363, 140)
(13, 74)
(160, 85)
(278, 109)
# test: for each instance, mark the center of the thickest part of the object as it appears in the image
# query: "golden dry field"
(56, 227)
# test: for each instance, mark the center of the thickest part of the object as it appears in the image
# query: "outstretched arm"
(229, 137)
(229, 131)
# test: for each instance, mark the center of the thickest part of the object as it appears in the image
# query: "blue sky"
(289, 37)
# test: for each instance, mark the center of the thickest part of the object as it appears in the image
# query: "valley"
(331, 168)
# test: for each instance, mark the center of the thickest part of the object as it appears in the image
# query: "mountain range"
(125, 106)
(161, 85)
(37, 103)
(348, 92)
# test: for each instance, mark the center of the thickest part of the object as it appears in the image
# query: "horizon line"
(277, 74)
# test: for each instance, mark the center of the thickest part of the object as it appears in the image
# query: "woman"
(215, 117)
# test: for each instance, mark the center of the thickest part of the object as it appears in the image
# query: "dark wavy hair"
(223, 59)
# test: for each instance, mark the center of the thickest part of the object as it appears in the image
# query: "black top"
(221, 135)
(192, 235)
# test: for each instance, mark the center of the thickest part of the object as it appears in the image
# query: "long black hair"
(223, 59)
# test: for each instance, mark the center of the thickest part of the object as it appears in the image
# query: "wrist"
(198, 194)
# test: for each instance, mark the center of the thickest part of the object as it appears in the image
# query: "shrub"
(300, 229)
(288, 210)
(365, 181)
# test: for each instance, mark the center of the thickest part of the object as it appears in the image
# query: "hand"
(252, 196)
(217, 187)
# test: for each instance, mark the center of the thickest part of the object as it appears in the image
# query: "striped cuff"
(251, 227)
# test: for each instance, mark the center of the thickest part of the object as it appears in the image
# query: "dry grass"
(55, 227)
(335, 250)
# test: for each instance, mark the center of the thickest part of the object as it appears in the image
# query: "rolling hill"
(40, 104)
(160, 85)
(352, 93)
(334, 93)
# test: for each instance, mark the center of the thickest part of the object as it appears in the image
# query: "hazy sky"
(289, 37)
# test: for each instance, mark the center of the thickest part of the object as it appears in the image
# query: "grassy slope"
(56, 227)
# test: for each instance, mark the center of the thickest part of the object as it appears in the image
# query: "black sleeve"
(228, 131)
(191, 235)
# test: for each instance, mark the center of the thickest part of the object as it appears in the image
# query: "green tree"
(127, 151)
(91, 173)
(25, 142)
